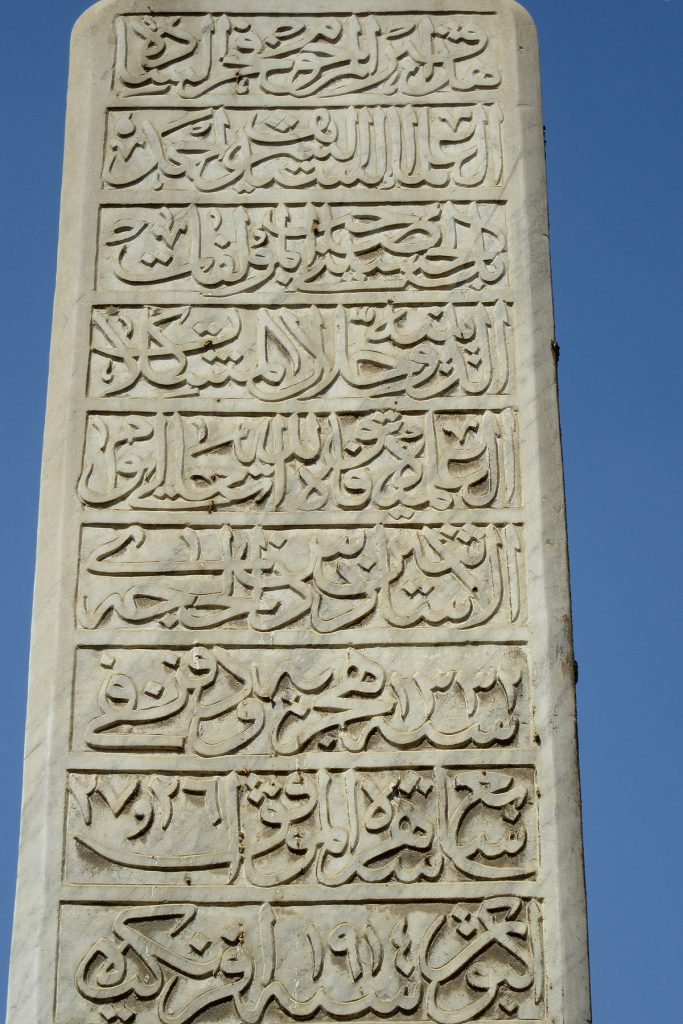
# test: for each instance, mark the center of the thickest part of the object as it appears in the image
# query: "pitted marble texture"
(301, 731)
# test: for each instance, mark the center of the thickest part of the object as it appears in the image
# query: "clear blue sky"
(612, 102)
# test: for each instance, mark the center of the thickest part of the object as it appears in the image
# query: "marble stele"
(301, 735)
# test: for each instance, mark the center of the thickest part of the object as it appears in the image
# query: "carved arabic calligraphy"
(327, 579)
(190, 57)
(382, 147)
(332, 828)
(172, 964)
(321, 248)
(276, 354)
(210, 701)
(384, 461)
(303, 693)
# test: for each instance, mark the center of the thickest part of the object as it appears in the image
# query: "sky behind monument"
(612, 88)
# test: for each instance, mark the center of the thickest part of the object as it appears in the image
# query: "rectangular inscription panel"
(222, 147)
(411, 352)
(211, 701)
(290, 828)
(259, 962)
(316, 248)
(326, 580)
(386, 461)
(300, 741)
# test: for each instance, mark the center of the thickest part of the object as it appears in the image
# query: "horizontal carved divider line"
(452, 636)
(357, 408)
(248, 408)
(406, 298)
(76, 894)
(95, 761)
(112, 201)
(285, 520)
(360, 99)
(317, 249)
(128, 198)
(166, 196)
(276, 298)
(170, 198)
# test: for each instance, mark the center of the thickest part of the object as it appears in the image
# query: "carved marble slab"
(300, 742)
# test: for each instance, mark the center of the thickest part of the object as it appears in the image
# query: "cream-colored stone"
(301, 735)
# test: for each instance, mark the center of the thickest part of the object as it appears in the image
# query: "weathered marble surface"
(301, 736)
